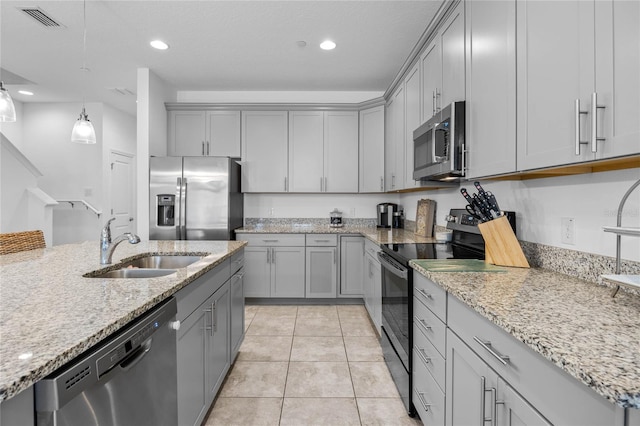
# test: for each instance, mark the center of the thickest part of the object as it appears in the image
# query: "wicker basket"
(15, 242)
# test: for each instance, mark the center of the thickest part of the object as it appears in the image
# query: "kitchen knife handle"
(594, 122)
(577, 131)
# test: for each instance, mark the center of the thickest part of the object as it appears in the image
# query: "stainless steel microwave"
(439, 145)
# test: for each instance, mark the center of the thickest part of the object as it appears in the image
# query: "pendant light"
(7, 109)
(83, 131)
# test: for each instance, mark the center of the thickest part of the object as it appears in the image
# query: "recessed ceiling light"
(25, 92)
(301, 43)
(327, 45)
(159, 44)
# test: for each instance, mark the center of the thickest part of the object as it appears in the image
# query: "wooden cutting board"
(457, 265)
(425, 217)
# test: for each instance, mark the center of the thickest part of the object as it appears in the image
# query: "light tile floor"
(309, 365)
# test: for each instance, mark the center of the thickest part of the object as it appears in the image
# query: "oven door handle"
(392, 265)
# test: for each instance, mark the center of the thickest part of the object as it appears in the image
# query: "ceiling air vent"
(40, 16)
(121, 91)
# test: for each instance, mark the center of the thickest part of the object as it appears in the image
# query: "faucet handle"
(106, 231)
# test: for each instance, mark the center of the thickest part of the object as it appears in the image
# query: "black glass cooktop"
(405, 252)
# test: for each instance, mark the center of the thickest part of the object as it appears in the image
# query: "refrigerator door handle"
(179, 198)
(184, 209)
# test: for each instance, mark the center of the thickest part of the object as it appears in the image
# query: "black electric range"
(397, 291)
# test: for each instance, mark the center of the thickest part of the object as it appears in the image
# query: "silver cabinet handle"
(381, 183)
(594, 122)
(285, 184)
(270, 241)
(422, 354)
(438, 108)
(423, 401)
(268, 259)
(578, 112)
(494, 406)
(335, 256)
(433, 103)
(424, 293)
(504, 359)
(203, 148)
(214, 316)
(325, 184)
(423, 323)
(483, 389)
(207, 147)
(393, 180)
(205, 321)
(464, 160)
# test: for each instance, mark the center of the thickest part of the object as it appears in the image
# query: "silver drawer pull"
(504, 359)
(322, 241)
(422, 322)
(423, 401)
(270, 241)
(422, 354)
(425, 294)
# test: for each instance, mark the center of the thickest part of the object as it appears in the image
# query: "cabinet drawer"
(431, 294)
(430, 325)
(237, 261)
(427, 396)
(321, 240)
(428, 356)
(371, 248)
(273, 240)
(558, 396)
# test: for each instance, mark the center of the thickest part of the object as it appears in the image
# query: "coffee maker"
(385, 214)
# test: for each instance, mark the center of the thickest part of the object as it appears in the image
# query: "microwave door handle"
(434, 159)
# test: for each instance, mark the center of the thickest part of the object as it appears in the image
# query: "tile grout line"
(286, 377)
(353, 388)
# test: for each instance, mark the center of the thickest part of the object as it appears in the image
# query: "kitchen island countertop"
(50, 313)
(573, 323)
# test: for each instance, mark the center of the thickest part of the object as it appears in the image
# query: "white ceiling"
(215, 45)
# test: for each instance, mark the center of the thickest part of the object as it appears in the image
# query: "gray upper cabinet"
(204, 133)
(372, 150)
(618, 77)
(443, 65)
(394, 144)
(491, 87)
(323, 151)
(264, 151)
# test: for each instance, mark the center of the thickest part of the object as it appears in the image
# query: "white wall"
(276, 97)
(13, 131)
(314, 205)
(590, 199)
(70, 170)
(151, 136)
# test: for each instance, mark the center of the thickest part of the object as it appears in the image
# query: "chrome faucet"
(107, 246)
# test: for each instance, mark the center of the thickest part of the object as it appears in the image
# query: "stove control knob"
(450, 218)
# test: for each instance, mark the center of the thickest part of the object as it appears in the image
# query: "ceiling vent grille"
(121, 91)
(40, 16)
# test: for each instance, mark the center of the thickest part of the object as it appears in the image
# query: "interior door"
(122, 193)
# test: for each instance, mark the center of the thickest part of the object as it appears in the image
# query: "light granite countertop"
(573, 323)
(377, 235)
(50, 314)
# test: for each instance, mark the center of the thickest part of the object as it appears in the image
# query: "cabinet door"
(394, 143)
(257, 272)
(431, 60)
(617, 77)
(340, 151)
(412, 121)
(372, 150)
(223, 133)
(377, 295)
(351, 265)
(306, 151)
(555, 67)
(237, 312)
(218, 339)
(186, 133)
(264, 149)
(321, 272)
(192, 380)
(453, 49)
(469, 382)
(513, 410)
(367, 284)
(287, 271)
(491, 88)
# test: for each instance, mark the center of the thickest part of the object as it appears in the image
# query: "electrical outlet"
(567, 232)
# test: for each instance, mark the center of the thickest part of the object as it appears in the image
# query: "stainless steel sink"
(162, 262)
(135, 273)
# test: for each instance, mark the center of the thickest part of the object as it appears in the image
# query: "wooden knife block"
(500, 244)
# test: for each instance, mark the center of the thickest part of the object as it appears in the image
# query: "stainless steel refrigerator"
(194, 198)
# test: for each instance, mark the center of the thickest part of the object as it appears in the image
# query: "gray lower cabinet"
(321, 277)
(211, 318)
(18, 410)
(351, 265)
(257, 278)
(287, 271)
(372, 284)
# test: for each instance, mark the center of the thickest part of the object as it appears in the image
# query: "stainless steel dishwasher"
(130, 379)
